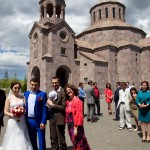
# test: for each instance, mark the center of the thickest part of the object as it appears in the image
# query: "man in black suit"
(2, 104)
(116, 99)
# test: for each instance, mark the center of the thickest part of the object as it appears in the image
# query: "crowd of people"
(130, 102)
(65, 106)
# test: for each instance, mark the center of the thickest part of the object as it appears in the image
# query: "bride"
(16, 136)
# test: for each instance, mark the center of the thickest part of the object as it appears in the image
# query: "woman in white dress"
(16, 136)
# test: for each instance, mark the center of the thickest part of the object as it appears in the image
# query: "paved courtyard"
(104, 134)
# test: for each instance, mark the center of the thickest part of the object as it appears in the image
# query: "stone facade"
(110, 50)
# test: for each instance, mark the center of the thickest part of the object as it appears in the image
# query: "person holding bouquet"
(16, 135)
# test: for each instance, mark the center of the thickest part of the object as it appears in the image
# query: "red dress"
(108, 92)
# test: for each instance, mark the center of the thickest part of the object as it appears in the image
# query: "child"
(52, 97)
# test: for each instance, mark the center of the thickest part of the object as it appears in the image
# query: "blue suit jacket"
(40, 109)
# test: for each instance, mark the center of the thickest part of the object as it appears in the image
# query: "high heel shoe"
(143, 141)
(147, 141)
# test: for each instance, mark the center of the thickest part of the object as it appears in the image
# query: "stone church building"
(109, 50)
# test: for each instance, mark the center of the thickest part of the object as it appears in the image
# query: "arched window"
(119, 13)
(106, 11)
(94, 17)
(58, 11)
(75, 51)
(36, 73)
(35, 45)
(114, 12)
(49, 10)
(100, 14)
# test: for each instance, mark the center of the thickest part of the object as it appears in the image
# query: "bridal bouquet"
(18, 111)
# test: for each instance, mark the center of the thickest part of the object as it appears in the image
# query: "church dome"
(108, 23)
(106, 28)
(107, 9)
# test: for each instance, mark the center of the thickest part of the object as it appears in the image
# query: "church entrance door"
(63, 74)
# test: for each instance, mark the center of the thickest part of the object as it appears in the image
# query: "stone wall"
(114, 35)
(145, 64)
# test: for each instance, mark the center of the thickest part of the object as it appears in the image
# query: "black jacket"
(116, 94)
(2, 104)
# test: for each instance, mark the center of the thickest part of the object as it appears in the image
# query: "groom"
(36, 113)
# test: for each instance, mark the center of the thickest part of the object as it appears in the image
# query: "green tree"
(24, 87)
(2, 83)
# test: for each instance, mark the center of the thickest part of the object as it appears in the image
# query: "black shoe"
(92, 120)
(147, 141)
(115, 119)
(88, 120)
(143, 141)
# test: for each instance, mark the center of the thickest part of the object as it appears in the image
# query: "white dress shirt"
(31, 104)
(124, 96)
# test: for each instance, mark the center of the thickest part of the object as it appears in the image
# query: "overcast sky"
(17, 18)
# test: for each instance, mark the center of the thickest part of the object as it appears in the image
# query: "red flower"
(40, 99)
(18, 111)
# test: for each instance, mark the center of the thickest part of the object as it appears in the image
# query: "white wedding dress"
(16, 136)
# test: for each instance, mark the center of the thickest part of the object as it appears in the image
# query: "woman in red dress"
(74, 119)
(109, 96)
